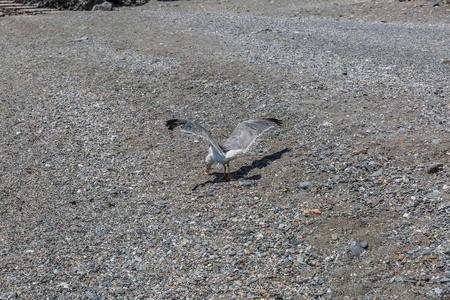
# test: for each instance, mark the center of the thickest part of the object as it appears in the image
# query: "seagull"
(238, 143)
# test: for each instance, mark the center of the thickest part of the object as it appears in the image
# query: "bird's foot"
(229, 177)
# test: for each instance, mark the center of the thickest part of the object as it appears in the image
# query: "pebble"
(81, 39)
(300, 259)
(410, 280)
(304, 185)
(435, 168)
(64, 285)
(246, 182)
(362, 151)
(433, 194)
(284, 226)
(105, 6)
(364, 244)
(438, 291)
(413, 251)
(355, 247)
(377, 173)
(119, 291)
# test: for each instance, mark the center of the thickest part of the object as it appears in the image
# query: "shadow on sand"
(243, 171)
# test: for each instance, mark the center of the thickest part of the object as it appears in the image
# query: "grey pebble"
(444, 280)
(377, 173)
(410, 280)
(355, 247)
(304, 185)
(413, 251)
(434, 194)
(364, 244)
(119, 291)
(246, 182)
(81, 39)
(438, 291)
(105, 6)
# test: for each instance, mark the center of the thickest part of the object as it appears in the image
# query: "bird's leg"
(224, 173)
(229, 177)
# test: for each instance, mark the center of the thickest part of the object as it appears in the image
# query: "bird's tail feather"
(174, 123)
(276, 121)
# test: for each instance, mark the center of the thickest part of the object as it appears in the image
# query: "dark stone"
(435, 168)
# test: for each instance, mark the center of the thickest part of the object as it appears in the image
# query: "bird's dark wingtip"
(173, 123)
(276, 121)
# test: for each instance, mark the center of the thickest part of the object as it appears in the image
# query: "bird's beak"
(207, 170)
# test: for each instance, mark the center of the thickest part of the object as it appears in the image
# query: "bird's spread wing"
(247, 131)
(194, 128)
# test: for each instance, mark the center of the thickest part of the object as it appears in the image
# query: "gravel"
(98, 200)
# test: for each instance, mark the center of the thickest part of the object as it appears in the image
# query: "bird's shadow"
(244, 170)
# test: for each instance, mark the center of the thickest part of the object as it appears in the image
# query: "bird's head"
(209, 162)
